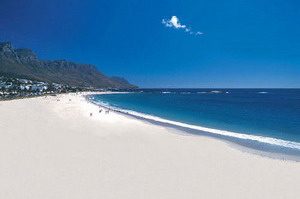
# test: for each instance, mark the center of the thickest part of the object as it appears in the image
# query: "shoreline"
(244, 142)
(50, 147)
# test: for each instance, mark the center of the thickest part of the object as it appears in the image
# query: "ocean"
(255, 116)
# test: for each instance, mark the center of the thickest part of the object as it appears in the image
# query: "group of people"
(100, 111)
(106, 112)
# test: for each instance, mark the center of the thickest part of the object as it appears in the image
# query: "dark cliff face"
(26, 55)
(7, 51)
(24, 63)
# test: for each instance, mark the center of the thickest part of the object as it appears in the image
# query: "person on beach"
(91, 114)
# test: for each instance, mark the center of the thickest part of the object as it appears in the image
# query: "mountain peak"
(5, 46)
(6, 50)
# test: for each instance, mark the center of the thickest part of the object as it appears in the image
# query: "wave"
(216, 91)
(263, 92)
(261, 139)
(213, 92)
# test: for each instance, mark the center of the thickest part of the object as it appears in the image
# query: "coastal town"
(17, 87)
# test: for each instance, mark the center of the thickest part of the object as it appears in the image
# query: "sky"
(165, 43)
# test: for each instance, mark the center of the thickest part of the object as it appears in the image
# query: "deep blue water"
(264, 112)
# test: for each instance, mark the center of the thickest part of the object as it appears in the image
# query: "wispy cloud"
(174, 23)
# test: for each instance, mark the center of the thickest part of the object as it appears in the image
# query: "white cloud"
(187, 30)
(199, 33)
(174, 23)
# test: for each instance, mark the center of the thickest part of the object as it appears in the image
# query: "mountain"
(24, 63)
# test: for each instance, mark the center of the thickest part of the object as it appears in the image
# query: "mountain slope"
(24, 63)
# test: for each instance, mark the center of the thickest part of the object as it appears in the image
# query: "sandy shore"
(55, 149)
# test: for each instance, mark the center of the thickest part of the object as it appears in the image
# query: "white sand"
(54, 149)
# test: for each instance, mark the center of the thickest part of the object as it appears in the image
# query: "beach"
(62, 147)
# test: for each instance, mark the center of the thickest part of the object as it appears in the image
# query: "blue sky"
(244, 43)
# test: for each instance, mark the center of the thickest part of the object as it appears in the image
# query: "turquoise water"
(271, 113)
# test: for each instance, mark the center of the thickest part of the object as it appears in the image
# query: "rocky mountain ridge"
(24, 63)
